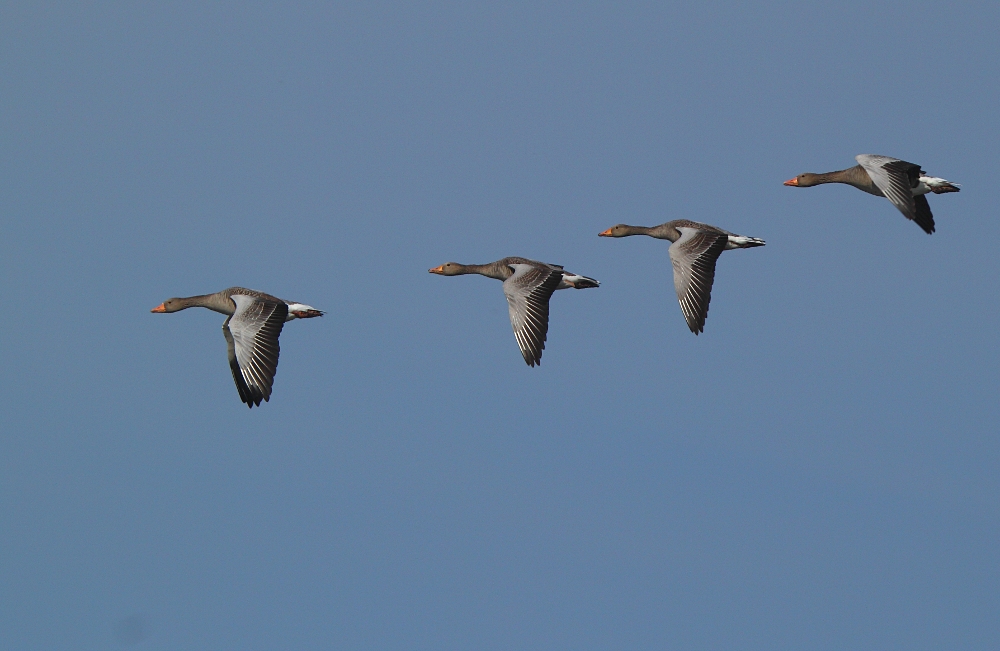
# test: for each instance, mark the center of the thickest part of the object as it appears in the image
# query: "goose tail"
(302, 311)
(939, 186)
(743, 242)
(577, 282)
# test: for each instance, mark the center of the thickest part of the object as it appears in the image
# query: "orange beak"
(159, 308)
(793, 182)
(606, 233)
(437, 270)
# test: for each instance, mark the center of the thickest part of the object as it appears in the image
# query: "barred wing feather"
(896, 179)
(693, 257)
(252, 334)
(528, 291)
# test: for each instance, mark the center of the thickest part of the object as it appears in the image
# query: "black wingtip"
(922, 214)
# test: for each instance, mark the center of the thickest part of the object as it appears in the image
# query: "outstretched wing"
(528, 292)
(252, 334)
(693, 257)
(896, 179)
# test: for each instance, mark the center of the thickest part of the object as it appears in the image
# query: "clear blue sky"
(818, 470)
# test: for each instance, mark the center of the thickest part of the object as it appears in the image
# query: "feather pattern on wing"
(693, 257)
(528, 291)
(897, 180)
(252, 334)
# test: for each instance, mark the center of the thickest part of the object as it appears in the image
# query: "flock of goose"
(254, 319)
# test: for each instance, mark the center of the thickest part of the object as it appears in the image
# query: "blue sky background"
(818, 470)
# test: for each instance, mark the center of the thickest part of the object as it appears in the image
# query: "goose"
(902, 183)
(693, 254)
(252, 328)
(528, 285)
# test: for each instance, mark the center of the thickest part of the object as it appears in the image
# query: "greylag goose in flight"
(252, 328)
(902, 183)
(695, 249)
(528, 285)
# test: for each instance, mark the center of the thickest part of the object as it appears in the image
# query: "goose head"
(621, 230)
(449, 269)
(803, 180)
(170, 305)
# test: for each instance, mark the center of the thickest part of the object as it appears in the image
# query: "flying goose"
(252, 328)
(528, 286)
(693, 254)
(902, 183)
